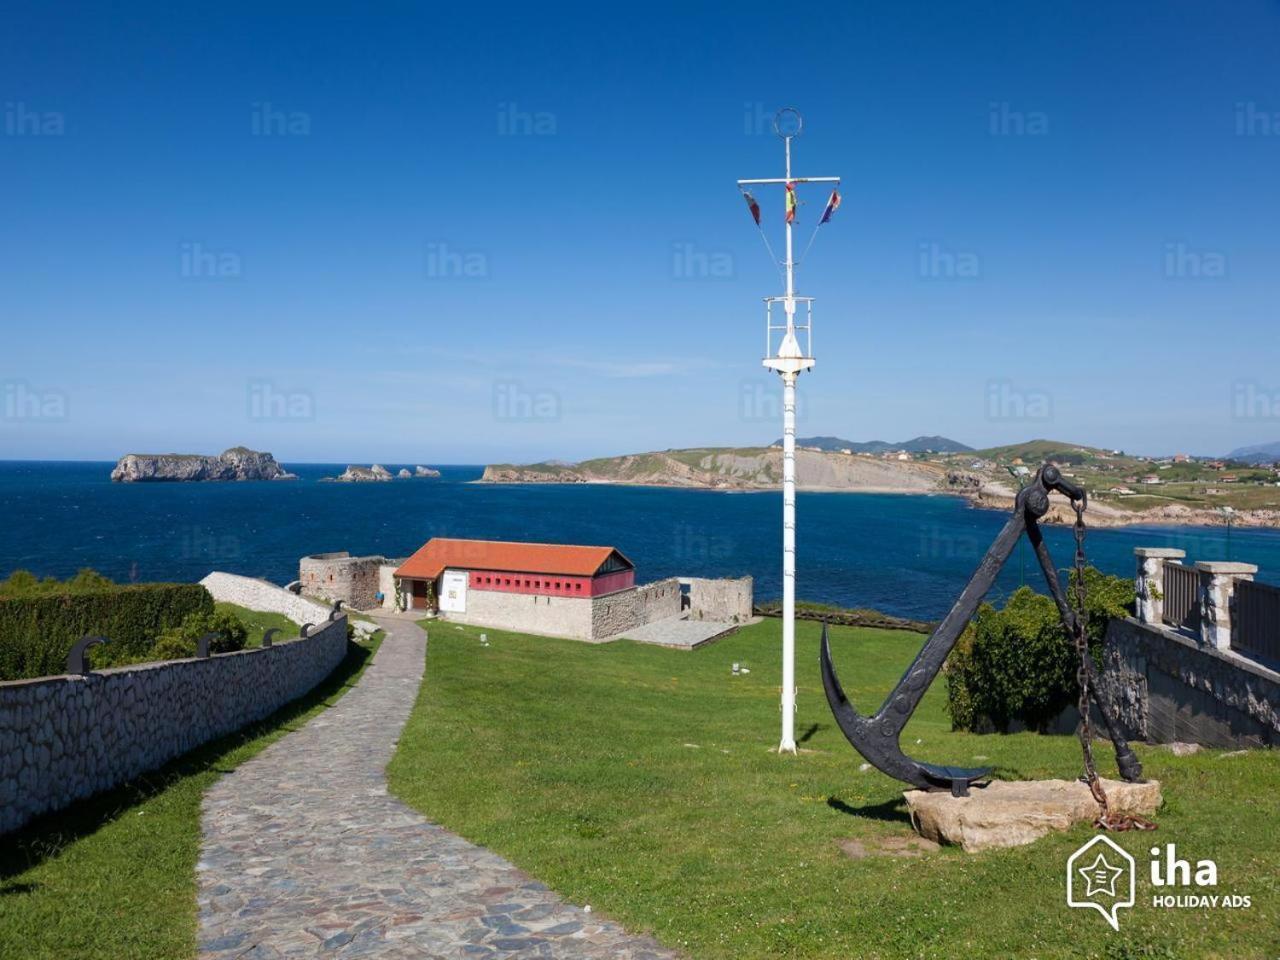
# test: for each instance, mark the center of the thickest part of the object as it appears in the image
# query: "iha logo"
(1102, 875)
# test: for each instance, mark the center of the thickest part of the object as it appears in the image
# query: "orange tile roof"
(440, 552)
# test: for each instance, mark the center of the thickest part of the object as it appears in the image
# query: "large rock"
(353, 474)
(1012, 813)
(421, 471)
(238, 463)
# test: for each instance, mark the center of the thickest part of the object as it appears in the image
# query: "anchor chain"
(1106, 820)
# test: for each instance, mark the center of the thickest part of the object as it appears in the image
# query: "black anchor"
(876, 737)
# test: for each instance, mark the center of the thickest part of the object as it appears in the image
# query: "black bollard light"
(76, 662)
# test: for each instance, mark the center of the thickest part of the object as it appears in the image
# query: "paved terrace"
(306, 854)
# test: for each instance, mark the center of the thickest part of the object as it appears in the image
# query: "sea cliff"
(238, 463)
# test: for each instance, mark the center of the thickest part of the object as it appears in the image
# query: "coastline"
(993, 497)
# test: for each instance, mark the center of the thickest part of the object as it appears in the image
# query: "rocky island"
(379, 474)
(238, 463)
(353, 474)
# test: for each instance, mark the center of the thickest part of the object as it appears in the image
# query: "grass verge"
(258, 622)
(114, 876)
(642, 781)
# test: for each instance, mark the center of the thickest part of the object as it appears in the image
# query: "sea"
(907, 555)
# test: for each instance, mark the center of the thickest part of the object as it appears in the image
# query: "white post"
(788, 361)
(788, 744)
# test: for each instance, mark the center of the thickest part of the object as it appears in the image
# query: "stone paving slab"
(679, 633)
(305, 854)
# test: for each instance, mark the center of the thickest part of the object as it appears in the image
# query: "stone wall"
(1168, 686)
(602, 618)
(524, 613)
(65, 738)
(340, 576)
(724, 601)
(577, 618)
(387, 583)
(618, 612)
(261, 595)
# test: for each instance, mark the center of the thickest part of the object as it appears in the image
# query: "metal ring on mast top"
(780, 122)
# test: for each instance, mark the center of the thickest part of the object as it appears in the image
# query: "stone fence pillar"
(1217, 592)
(1149, 585)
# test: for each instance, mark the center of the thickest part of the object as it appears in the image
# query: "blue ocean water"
(905, 555)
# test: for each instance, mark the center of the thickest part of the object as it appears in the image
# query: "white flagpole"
(789, 361)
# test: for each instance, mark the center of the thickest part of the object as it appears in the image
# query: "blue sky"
(349, 232)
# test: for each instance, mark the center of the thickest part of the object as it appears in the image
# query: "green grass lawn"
(642, 781)
(114, 876)
(258, 622)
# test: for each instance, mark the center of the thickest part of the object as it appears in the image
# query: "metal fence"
(1256, 627)
(1181, 596)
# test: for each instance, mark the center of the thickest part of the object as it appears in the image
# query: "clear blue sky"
(474, 232)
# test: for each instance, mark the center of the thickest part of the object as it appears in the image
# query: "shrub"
(24, 583)
(180, 642)
(40, 620)
(1017, 663)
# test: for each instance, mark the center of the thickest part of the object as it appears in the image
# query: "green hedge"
(1017, 663)
(39, 626)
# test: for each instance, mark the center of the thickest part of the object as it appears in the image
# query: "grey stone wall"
(616, 612)
(524, 613)
(261, 595)
(65, 738)
(577, 618)
(340, 576)
(1171, 687)
(600, 618)
(724, 601)
(387, 582)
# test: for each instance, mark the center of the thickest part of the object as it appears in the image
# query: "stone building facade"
(356, 581)
(582, 593)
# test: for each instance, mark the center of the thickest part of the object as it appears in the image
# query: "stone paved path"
(306, 854)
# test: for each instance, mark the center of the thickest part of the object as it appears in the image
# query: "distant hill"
(1038, 451)
(1258, 453)
(916, 445)
(734, 468)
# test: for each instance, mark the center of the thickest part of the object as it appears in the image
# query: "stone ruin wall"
(724, 600)
(355, 581)
(261, 595)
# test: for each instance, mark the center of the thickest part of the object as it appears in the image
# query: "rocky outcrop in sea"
(353, 474)
(379, 474)
(238, 463)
